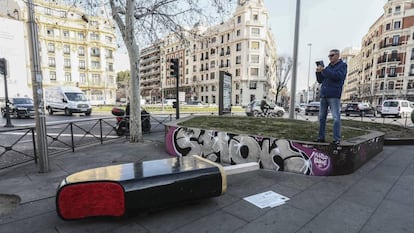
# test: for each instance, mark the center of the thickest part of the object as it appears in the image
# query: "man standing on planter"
(332, 79)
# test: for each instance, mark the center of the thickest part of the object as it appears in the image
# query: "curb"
(398, 141)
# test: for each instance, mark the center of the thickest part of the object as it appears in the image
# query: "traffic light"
(3, 65)
(174, 67)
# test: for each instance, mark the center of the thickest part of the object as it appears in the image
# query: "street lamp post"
(295, 62)
(307, 86)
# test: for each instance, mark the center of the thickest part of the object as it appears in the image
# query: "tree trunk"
(128, 35)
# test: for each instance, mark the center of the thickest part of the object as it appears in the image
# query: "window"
(388, 26)
(51, 47)
(254, 71)
(239, 19)
(237, 72)
(255, 17)
(390, 86)
(81, 51)
(81, 36)
(392, 71)
(238, 47)
(389, 10)
(255, 59)
(255, 31)
(194, 68)
(68, 77)
(51, 61)
(94, 36)
(62, 14)
(237, 86)
(255, 45)
(110, 67)
(194, 58)
(412, 54)
(212, 75)
(394, 54)
(52, 75)
(82, 64)
(397, 25)
(95, 52)
(238, 59)
(66, 34)
(48, 11)
(395, 40)
(67, 63)
(253, 85)
(238, 33)
(95, 65)
(212, 64)
(96, 78)
(82, 78)
(66, 49)
(50, 32)
(109, 53)
(397, 9)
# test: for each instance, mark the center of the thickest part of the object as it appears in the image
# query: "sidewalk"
(376, 198)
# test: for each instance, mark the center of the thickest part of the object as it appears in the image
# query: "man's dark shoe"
(336, 142)
(319, 140)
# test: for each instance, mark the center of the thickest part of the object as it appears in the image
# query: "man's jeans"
(335, 106)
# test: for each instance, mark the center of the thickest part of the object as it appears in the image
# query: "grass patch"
(290, 128)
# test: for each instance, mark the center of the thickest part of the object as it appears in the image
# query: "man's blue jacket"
(332, 79)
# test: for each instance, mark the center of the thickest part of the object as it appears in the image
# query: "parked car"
(312, 108)
(343, 106)
(253, 109)
(196, 103)
(19, 107)
(397, 108)
(360, 109)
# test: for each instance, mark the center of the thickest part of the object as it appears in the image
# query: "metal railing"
(17, 145)
(404, 121)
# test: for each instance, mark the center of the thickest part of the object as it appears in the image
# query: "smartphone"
(319, 63)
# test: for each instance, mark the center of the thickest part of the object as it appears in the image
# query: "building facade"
(75, 49)
(242, 46)
(386, 67)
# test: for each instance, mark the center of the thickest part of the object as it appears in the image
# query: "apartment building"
(386, 58)
(76, 49)
(242, 46)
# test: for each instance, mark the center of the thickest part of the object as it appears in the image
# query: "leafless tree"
(142, 22)
(282, 66)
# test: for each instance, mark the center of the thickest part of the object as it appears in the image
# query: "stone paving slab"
(376, 198)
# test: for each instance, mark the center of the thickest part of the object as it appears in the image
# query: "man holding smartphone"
(332, 79)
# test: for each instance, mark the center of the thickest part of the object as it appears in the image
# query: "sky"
(326, 24)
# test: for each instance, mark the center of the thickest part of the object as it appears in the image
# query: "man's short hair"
(335, 51)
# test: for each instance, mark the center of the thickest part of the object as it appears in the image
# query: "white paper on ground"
(267, 199)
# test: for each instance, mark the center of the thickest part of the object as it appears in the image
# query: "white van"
(397, 108)
(68, 100)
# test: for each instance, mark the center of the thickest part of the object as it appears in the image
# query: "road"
(16, 144)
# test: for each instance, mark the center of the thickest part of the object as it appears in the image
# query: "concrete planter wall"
(318, 159)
